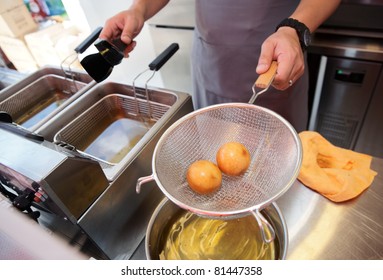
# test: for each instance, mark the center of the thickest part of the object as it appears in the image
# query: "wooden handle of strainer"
(265, 79)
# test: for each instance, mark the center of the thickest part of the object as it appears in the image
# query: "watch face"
(307, 38)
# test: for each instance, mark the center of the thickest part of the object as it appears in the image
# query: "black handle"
(110, 52)
(88, 40)
(121, 46)
(156, 64)
(5, 117)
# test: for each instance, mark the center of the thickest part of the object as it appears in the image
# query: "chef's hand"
(125, 25)
(282, 46)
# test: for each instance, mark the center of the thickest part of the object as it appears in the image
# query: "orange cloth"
(336, 173)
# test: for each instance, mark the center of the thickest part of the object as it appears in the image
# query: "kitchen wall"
(175, 23)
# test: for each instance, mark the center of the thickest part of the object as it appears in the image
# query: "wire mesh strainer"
(273, 143)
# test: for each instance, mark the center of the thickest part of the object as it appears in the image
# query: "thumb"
(262, 67)
(265, 59)
(263, 64)
(127, 35)
(132, 27)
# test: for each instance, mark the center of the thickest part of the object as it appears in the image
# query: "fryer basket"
(84, 129)
(37, 96)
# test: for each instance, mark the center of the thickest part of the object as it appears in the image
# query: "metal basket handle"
(264, 81)
(143, 180)
(154, 66)
(264, 226)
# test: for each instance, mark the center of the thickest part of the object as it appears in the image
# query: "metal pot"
(167, 212)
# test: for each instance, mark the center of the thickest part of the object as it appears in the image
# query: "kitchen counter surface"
(323, 230)
(330, 42)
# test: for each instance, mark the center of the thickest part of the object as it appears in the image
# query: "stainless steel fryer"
(115, 126)
(85, 119)
(64, 182)
(117, 206)
(109, 129)
(112, 219)
(42, 94)
(78, 76)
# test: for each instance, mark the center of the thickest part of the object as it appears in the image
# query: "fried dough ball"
(204, 177)
(233, 158)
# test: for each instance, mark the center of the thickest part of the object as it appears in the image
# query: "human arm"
(127, 24)
(284, 47)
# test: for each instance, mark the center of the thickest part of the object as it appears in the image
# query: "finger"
(265, 58)
(129, 48)
(130, 29)
(284, 83)
(127, 34)
(290, 68)
(107, 33)
(110, 30)
(284, 74)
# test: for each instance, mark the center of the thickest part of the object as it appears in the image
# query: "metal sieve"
(274, 146)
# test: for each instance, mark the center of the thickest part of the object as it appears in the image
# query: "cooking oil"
(42, 109)
(192, 237)
(115, 137)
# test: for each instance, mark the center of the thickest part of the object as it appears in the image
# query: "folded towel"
(336, 173)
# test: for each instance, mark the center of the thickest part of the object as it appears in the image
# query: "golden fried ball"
(233, 158)
(204, 177)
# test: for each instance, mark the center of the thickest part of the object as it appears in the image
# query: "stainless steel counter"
(321, 229)
(332, 42)
(324, 230)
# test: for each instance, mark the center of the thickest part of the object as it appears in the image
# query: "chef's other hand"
(125, 25)
(284, 47)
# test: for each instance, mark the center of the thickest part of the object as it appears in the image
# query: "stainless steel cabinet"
(345, 98)
(370, 140)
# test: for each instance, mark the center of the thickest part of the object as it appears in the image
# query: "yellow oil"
(42, 109)
(115, 137)
(196, 238)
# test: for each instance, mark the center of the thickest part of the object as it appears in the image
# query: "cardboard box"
(46, 45)
(6, 5)
(17, 22)
(18, 53)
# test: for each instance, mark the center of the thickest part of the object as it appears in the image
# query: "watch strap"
(299, 27)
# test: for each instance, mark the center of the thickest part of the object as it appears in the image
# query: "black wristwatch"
(303, 32)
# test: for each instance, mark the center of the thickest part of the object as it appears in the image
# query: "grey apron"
(226, 47)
